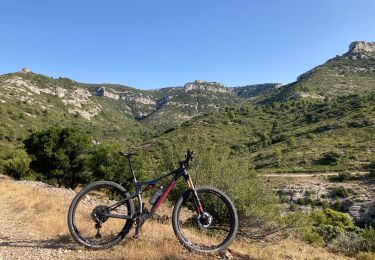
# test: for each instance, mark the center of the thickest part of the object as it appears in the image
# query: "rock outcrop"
(163, 101)
(102, 92)
(139, 98)
(26, 70)
(206, 86)
(361, 46)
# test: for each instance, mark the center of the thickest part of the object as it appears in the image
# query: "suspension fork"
(198, 204)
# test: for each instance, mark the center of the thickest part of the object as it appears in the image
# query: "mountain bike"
(204, 219)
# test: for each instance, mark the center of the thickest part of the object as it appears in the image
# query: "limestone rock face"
(361, 46)
(102, 92)
(207, 86)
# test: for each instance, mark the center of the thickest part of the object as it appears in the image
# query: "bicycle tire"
(77, 199)
(176, 221)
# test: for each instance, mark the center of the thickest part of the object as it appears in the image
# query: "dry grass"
(42, 212)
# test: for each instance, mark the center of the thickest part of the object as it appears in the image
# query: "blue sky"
(152, 44)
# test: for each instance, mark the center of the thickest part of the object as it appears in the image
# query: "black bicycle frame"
(180, 172)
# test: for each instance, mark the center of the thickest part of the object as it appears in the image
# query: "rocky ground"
(297, 189)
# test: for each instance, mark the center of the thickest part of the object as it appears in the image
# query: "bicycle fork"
(198, 204)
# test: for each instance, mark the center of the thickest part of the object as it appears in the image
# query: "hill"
(298, 135)
(290, 128)
(30, 102)
(350, 73)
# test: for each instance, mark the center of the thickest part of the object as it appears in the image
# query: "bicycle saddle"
(127, 155)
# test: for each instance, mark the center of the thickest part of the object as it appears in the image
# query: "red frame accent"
(163, 196)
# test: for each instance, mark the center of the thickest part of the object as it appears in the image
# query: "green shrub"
(368, 236)
(371, 169)
(329, 232)
(330, 158)
(105, 163)
(59, 155)
(365, 256)
(329, 216)
(256, 204)
(341, 177)
(311, 136)
(348, 243)
(16, 164)
(311, 236)
(341, 192)
(292, 142)
(304, 201)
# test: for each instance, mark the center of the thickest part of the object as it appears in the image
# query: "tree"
(59, 155)
(16, 164)
(106, 163)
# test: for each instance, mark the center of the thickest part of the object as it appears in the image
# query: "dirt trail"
(307, 174)
(20, 240)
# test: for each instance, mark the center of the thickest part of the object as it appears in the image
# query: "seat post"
(132, 170)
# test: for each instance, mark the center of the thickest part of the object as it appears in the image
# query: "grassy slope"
(289, 136)
(342, 75)
(184, 106)
(19, 118)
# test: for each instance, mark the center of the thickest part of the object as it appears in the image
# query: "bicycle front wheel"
(87, 216)
(210, 231)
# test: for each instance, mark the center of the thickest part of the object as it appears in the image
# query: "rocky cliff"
(206, 86)
(361, 46)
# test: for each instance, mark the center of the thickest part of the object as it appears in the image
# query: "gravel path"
(20, 241)
(306, 175)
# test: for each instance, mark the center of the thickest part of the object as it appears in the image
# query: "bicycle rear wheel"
(87, 220)
(208, 232)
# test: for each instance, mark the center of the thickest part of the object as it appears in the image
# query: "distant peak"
(361, 46)
(205, 85)
(25, 70)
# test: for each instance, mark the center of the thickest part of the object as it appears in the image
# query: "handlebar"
(188, 157)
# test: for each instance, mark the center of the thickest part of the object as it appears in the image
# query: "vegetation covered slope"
(32, 102)
(300, 135)
(351, 73)
(322, 121)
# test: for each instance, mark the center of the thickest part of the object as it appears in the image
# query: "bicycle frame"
(180, 172)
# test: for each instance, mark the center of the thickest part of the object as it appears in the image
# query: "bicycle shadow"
(61, 242)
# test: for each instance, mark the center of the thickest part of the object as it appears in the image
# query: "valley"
(278, 150)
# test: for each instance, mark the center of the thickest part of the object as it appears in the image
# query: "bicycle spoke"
(90, 218)
(209, 229)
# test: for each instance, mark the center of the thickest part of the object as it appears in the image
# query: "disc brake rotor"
(204, 220)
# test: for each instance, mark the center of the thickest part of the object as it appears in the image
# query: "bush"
(256, 204)
(105, 163)
(348, 243)
(16, 164)
(365, 256)
(341, 192)
(368, 236)
(329, 232)
(292, 142)
(371, 169)
(311, 236)
(341, 177)
(59, 155)
(331, 158)
(330, 217)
